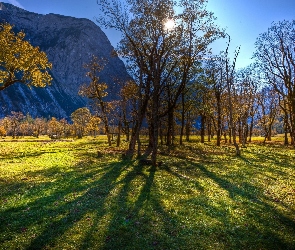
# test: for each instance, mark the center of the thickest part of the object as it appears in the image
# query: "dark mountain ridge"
(69, 43)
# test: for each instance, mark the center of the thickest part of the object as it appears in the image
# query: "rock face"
(69, 43)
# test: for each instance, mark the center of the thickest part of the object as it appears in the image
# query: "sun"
(169, 24)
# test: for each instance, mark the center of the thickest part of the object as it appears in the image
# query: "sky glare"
(243, 20)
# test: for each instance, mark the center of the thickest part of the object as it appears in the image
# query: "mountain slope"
(69, 43)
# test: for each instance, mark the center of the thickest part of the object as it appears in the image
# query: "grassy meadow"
(60, 195)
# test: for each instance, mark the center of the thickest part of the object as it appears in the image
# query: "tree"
(20, 61)
(15, 120)
(54, 129)
(3, 131)
(128, 105)
(283, 103)
(229, 78)
(81, 118)
(275, 55)
(39, 127)
(188, 108)
(268, 110)
(96, 91)
(215, 78)
(66, 127)
(246, 95)
(161, 57)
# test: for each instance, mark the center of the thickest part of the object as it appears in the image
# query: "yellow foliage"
(2, 131)
(20, 61)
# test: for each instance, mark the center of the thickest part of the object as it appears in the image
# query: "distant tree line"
(83, 123)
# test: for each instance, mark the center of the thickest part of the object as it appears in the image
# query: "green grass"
(59, 195)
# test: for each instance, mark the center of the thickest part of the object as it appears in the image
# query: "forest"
(191, 153)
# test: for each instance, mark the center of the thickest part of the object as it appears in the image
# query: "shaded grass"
(59, 195)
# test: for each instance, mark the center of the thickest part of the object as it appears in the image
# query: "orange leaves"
(96, 89)
(129, 90)
(20, 61)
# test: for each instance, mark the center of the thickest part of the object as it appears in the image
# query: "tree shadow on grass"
(25, 155)
(98, 204)
(141, 221)
(55, 206)
(144, 220)
(279, 158)
(263, 221)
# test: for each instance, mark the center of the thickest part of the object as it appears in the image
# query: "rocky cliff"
(69, 43)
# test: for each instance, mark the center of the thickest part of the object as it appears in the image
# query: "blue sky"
(244, 20)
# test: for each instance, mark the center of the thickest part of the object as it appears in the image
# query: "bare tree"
(268, 110)
(230, 74)
(275, 55)
(159, 54)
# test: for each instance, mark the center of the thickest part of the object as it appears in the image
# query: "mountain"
(69, 43)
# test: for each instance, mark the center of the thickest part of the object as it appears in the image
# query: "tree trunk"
(240, 130)
(135, 130)
(155, 123)
(161, 134)
(187, 131)
(225, 138)
(126, 126)
(182, 119)
(203, 121)
(109, 139)
(150, 149)
(119, 134)
(269, 133)
(233, 127)
(170, 128)
(173, 131)
(286, 124)
(251, 129)
(292, 122)
(265, 135)
(244, 133)
(218, 102)
(229, 83)
(209, 129)
(138, 146)
(107, 130)
(286, 142)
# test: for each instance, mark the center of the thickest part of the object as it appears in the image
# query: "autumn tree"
(275, 56)
(285, 111)
(245, 98)
(81, 118)
(128, 100)
(215, 79)
(66, 127)
(5, 124)
(15, 120)
(268, 102)
(162, 48)
(188, 108)
(3, 131)
(230, 73)
(96, 91)
(20, 61)
(39, 127)
(54, 128)
(26, 126)
(93, 125)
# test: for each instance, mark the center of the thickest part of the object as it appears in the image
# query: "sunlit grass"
(60, 195)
